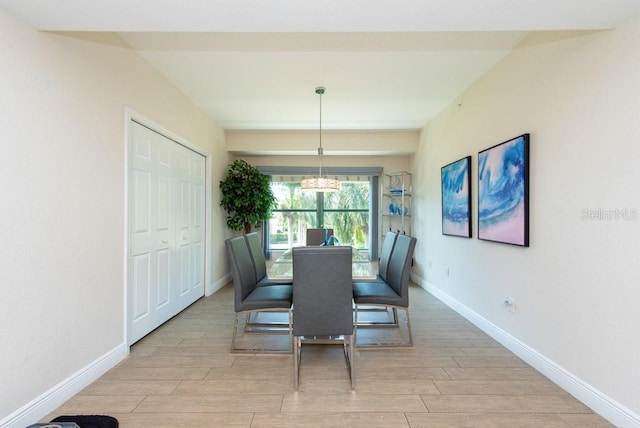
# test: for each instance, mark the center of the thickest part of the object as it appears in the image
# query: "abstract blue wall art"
(456, 198)
(503, 192)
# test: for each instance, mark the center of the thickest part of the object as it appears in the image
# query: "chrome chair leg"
(235, 331)
(291, 332)
(409, 328)
(390, 312)
(408, 343)
(355, 323)
(259, 350)
(347, 349)
(296, 361)
(351, 363)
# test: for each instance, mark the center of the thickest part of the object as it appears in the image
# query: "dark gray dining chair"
(317, 236)
(322, 299)
(385, 254)
(392, 293)
(383, 263)
(259, 262)
(249, 298)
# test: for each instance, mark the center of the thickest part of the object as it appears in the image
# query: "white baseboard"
(217, 285)
(600, 403)
(32, 412)
(590, 396)
(59, 394)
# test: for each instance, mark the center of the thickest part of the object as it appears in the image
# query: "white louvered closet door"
(166, 229)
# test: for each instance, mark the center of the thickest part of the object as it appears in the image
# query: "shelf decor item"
(503, 192)
(456, 198)
(396, 197)
(396, 185)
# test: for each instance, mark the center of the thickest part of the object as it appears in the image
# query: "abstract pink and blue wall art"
(456, 198)
(503, 192)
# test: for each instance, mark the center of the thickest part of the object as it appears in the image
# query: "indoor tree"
(246, 196)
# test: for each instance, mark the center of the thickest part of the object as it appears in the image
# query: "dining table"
(362, 269)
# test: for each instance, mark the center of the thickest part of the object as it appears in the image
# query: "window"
(346, 212)
(352, 213)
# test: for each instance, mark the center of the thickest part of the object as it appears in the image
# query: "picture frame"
(455, 181)
(503, 192)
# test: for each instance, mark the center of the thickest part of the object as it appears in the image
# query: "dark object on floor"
(90, 421)
(56, 425)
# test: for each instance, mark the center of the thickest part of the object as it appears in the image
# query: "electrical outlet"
(430, 264)
(446, 271)
(510, 304)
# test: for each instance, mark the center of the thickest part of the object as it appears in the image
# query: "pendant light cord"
(320, 91)
(320, 183)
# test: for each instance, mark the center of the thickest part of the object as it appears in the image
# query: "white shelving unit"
(396, 203)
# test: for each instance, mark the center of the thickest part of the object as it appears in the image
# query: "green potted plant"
(246, 196)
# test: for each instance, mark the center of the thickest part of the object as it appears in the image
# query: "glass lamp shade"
(321, 184)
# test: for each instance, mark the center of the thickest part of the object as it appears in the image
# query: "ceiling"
(255, 64)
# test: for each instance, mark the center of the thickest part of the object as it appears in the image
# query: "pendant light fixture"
(320, 183)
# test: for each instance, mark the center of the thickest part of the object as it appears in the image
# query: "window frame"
(373, 173)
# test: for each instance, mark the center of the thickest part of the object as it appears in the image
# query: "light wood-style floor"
(183, 375)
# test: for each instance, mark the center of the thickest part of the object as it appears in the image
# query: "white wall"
(62, 170)
(577, 288)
